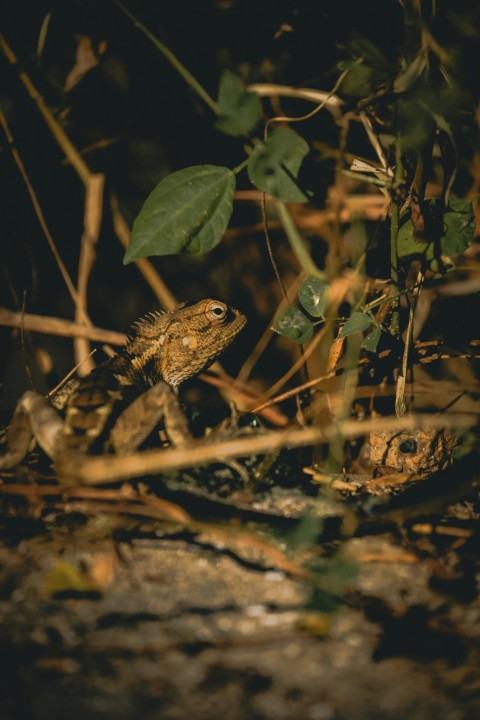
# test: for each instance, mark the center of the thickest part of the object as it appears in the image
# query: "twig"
(57, 326)
(92, 218)
(98, 470)
(66, 145)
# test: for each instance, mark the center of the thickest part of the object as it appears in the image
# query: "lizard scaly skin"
(120, 402)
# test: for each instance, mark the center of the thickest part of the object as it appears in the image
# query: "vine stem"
(296, 241)
(186, 74)
(240, 167)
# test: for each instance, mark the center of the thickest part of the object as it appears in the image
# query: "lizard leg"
(138, 420)
(34, 417)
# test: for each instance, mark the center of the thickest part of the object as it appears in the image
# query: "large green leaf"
(240, 110)
(274, 165)
(187, 212)
(313, 295)
(292, 323)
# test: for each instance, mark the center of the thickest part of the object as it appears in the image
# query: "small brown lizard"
(116, 406)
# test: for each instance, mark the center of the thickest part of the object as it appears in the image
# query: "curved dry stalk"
(329, 101)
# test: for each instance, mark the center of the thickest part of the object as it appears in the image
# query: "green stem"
(395, 323)
(186, 74)
(394, 227)
(240, 167)
(296, 241)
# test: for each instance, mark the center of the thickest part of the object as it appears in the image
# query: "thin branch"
(73, 157)
(57, 326)
(98, 470)
(92, 219)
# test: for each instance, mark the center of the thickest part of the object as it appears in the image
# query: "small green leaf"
(313, 295)
(292, 323)
(275, 163)
(360, 80)
(240, 110)
(357, 322)
(187, 212)
(370, 343)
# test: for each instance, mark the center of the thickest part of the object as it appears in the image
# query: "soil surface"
(106, 616)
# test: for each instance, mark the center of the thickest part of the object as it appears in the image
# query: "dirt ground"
(101, 618)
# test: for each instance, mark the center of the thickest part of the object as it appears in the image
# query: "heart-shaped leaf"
(275, 163)
(370, 343)
(240, 110)
(292, 323)
(357, 322)
(313, 295)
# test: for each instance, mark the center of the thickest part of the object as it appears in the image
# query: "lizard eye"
(408, 447)
(216, 311)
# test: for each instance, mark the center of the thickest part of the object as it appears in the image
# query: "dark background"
(150, 123)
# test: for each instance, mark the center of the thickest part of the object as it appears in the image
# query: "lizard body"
(116, 406)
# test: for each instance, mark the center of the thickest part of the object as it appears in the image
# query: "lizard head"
(177, 345)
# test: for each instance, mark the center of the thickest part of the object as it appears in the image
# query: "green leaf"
(357, 322)
(187, 212)
(275, 163)
(370, 343)
(361, 79)
(292, 323)
(458, 227)
(241, 111)
(458, 233)
(313, 295)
